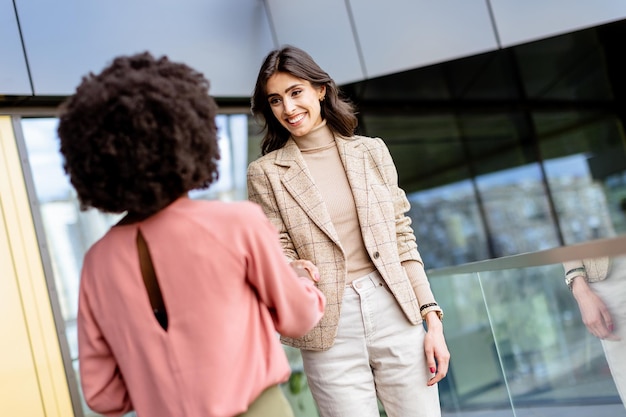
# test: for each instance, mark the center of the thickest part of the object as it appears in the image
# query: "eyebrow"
(291, 87)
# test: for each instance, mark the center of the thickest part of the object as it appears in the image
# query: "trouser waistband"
(373, 279)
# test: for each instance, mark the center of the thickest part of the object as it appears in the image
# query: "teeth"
(296, 119)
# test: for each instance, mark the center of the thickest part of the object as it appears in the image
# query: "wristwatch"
(427, 308)
(574, 273)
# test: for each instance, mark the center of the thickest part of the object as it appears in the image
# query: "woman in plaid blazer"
(334, 198)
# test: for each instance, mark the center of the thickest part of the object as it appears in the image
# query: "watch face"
(569, 280)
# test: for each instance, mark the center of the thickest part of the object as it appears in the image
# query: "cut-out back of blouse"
(151, 282)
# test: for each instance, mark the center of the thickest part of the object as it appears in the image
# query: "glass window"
(448, 223)
(585, 163)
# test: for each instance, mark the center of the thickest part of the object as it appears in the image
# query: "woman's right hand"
(305, 268)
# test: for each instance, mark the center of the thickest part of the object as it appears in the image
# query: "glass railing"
(517, 339)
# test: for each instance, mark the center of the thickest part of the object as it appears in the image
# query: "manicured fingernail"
(432, 370)
(317, 276)
(611, 328)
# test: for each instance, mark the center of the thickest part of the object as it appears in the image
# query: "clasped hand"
(305, 268)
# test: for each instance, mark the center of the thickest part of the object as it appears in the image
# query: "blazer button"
(376, 255)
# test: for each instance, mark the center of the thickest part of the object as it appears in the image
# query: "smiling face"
(295, 102)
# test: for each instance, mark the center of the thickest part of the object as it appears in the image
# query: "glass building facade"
(511, 151)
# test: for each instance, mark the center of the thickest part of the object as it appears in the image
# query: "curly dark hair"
(337, 110)
(139, 135)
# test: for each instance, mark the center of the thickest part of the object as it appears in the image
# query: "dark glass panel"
(426, 83)
(482, 78)
(567, 67)
(426, 149)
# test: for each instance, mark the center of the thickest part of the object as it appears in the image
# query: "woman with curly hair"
(179, 302)
(335, 200)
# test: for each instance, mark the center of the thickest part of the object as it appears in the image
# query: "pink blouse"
(227, 289)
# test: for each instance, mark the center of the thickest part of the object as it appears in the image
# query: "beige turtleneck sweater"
(321, 155)
(322, 158)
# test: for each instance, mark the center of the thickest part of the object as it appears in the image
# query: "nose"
(289, 105)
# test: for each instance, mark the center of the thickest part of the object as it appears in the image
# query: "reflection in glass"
(517, 210)
(599, 288)
(448, 222)
(586, 170)
(546, 352)
(519, 346)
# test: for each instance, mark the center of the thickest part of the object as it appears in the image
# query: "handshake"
(305, 268)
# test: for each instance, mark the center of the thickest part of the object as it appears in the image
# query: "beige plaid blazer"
(281, 183)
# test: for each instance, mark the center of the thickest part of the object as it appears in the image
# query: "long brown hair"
(338, 111)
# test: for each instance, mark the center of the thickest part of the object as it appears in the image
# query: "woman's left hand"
(436, 349)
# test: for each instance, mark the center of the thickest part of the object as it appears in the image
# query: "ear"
(322, 93)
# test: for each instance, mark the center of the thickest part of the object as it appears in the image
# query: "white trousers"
(613, 292)
(377, 353)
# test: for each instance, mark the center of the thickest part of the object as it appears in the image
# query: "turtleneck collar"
(319, 136)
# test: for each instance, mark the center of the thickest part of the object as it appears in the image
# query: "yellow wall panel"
(29, 351)
(20, 390)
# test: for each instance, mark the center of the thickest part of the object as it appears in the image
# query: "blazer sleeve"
(294, 302)
(407, 245)
(103, 386)
(261, 192)
(569, 265)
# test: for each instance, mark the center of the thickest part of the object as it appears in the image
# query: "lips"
(296, 119)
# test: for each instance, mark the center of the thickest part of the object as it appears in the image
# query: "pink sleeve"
(295, 303)
(103, 387)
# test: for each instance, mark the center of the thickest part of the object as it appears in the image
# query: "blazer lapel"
(298, 182)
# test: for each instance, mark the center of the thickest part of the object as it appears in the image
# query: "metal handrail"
(592, 249)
